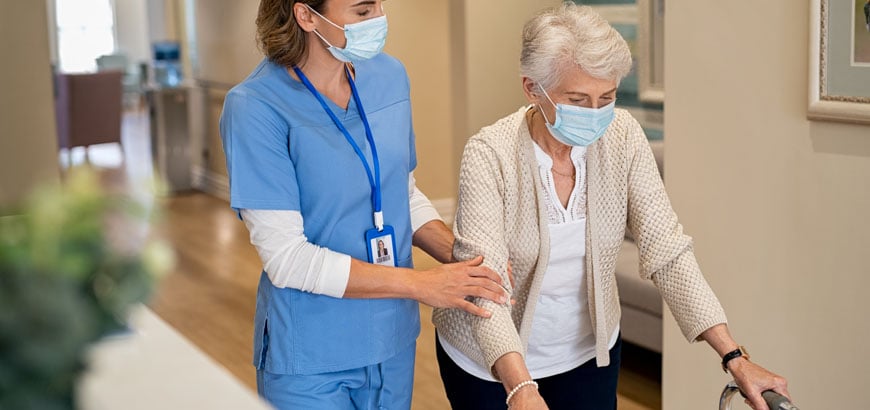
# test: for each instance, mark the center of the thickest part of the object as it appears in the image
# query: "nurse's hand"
(448, 286)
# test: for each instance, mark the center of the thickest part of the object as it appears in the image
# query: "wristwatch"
(740, 351)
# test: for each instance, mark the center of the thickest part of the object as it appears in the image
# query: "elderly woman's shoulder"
(625, 124)
(623, 116)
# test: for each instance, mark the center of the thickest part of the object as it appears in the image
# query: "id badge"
(381, 246)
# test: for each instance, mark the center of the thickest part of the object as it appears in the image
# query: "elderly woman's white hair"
(557, 38)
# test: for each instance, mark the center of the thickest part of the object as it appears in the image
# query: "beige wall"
(28, 143)
(226, 50)
(778, 205)
(419, 36)
(162, 20)
(131, 28)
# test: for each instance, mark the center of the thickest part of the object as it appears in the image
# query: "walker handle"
(777, 401)
(774, 400)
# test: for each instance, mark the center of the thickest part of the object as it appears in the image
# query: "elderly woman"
(553, 187)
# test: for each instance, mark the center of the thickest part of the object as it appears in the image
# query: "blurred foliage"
(72, 262)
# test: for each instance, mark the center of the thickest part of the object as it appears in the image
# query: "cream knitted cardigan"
(501, 215)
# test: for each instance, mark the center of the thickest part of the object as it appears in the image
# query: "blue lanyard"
(374, 181)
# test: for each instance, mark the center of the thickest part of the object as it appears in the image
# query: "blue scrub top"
(283, 152)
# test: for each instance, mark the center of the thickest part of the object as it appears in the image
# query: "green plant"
(72, 262)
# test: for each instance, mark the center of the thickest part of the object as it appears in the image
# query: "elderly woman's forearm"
(511, 370)
(719, 338)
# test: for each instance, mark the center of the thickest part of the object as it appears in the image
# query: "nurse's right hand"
(449, 285)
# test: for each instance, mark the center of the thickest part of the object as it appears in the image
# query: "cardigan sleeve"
(666, 254)
(480, 230)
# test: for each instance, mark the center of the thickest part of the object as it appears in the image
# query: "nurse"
(320, 153)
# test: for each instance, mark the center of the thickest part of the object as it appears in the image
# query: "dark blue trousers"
(584, 387)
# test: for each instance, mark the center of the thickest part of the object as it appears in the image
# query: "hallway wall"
(777, 204)
(28, 142)
(131, 27)
(419, 37)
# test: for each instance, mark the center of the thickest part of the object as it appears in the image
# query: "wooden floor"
(209, 297)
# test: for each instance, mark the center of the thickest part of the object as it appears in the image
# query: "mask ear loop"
(317, 33)
(328, 44)
(548, 99)
(326, 19)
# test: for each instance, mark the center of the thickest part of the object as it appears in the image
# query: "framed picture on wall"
(839, 61)
(651, 50)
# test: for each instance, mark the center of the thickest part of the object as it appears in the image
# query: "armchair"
(88, 109)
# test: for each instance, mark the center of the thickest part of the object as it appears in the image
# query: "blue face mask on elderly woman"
(364, 39)
(578, 126)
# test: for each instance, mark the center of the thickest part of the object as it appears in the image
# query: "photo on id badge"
(380, 246)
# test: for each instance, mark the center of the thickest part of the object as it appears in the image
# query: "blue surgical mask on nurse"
(578, 126)
(364, 39)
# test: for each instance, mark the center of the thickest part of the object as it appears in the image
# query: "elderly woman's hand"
(750, 377)
(754, 379)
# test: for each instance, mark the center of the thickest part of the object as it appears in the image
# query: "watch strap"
(740, 351)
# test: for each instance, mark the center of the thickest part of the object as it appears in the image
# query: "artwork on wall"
(651, 50)
(839, 61)
(861, 33)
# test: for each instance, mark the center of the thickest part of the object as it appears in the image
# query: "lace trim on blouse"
(576, 209)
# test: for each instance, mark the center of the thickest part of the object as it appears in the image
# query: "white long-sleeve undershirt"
(291, 261)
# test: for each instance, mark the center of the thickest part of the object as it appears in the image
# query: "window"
(85, 31)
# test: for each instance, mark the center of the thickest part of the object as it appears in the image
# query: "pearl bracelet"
(517, 388)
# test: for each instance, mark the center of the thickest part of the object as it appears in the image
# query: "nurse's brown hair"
(278, 35)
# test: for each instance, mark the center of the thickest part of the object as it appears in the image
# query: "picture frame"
(839, 76)
(651, 50)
